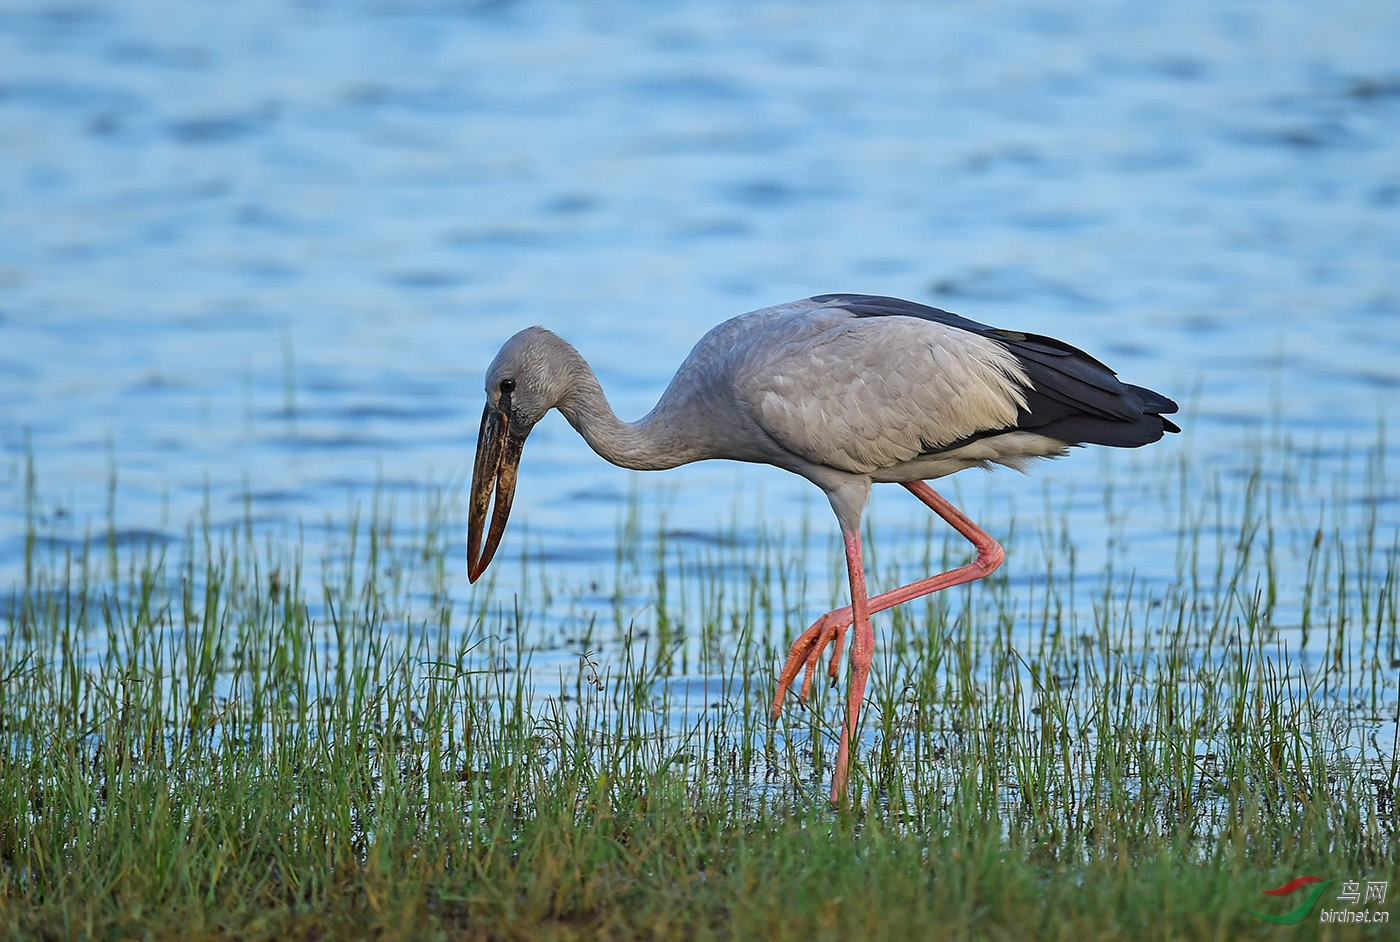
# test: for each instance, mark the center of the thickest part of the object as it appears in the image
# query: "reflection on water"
(266, 253)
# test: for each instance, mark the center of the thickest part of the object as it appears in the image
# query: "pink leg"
(831, 627)
(862, 653)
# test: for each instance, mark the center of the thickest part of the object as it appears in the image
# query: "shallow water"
(257, 258)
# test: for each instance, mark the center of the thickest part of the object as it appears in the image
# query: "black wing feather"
(1072, 397)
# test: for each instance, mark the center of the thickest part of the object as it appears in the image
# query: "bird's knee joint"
(990, 558)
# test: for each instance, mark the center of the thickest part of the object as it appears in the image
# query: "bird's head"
(526, 380)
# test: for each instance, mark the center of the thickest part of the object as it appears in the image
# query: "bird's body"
(845, 390)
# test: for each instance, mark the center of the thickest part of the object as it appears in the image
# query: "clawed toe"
(806, 652)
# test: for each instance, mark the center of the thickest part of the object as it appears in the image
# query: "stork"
(846, 390)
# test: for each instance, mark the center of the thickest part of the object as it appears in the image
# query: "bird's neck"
(654, 443)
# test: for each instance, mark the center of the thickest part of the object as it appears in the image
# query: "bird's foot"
(807, 650)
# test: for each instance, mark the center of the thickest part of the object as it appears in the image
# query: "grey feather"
(1072, 396)
(845, 390)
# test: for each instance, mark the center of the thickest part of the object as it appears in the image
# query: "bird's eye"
(507, 386)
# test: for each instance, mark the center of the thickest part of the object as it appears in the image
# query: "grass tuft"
(211, 740)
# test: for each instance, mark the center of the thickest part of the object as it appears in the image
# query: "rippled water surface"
(257, 257)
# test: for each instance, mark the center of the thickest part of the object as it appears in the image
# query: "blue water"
(264, 252)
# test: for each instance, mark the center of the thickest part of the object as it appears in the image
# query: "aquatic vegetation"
(219, 738)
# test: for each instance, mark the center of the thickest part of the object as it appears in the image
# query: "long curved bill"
(497, 464)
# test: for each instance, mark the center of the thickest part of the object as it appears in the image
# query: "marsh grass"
(212, 738)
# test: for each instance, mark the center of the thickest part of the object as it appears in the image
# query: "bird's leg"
(807, 649)
(862, 652)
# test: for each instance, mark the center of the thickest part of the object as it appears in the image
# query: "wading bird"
(846, 390)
